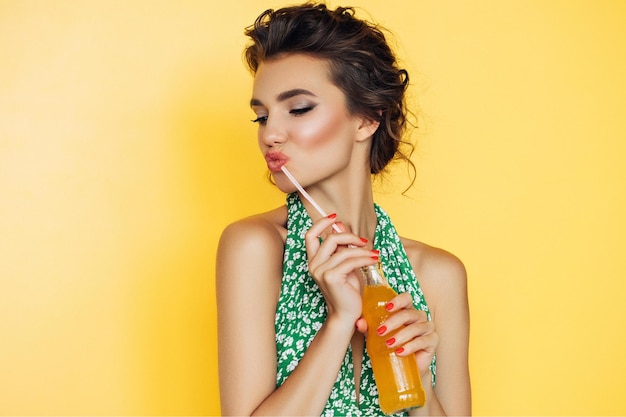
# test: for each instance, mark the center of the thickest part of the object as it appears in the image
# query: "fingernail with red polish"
(391, 341)
(381, 330)
(374, 257)
(332, 216)
(375, 252)
(363, 239)
(400, 350)
(389, 306)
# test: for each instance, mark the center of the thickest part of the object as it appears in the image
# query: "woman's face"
(303, 120)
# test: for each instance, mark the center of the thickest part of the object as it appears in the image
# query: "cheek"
(329, 128)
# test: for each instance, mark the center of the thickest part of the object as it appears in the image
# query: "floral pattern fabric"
(302, 310)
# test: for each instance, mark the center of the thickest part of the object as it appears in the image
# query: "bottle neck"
(373, 275)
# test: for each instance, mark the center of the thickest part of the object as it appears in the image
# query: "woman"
(329, 103)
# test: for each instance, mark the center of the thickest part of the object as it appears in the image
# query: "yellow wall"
(125, 148)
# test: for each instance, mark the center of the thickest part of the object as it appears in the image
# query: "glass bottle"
(397, 377)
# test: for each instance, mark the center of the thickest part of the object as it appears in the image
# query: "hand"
(416, 336)
(332, 264)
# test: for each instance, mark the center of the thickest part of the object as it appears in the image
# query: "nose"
(272, 133)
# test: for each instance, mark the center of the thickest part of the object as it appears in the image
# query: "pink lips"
(275, 161)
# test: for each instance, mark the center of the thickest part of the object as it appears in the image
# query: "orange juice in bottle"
(397, 378)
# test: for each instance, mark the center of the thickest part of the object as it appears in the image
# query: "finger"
(399, 302)
(340, 255)
(401, 319)
(361, 325)
(341, 226)
(426, 344)
(341, 264)
(330, 245)
(311, 237)
(408, 333)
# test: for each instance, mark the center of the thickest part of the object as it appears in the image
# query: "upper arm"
(445, 289)
(249, 268)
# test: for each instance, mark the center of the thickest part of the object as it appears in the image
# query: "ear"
(366, 129)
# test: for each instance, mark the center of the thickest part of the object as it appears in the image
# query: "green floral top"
(301, 310)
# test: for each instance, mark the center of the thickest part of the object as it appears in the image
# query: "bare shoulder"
(269, 228)
(440, 273)
(252, 247)
(432, 262)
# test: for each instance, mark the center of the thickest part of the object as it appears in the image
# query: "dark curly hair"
(361, 63)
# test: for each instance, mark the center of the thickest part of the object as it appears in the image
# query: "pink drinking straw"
(308, 197)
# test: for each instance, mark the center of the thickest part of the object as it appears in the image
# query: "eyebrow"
(285, 95)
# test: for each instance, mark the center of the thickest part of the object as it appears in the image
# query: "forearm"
(432, 407)
(306, 390)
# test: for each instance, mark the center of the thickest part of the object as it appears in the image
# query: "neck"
(350, 197)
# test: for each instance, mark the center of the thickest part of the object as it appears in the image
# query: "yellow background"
(125, 148)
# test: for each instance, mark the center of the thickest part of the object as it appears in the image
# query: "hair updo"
(362, 66)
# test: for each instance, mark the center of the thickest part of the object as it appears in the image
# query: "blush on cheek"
(323, 131)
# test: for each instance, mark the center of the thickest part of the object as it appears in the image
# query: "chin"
(282, 183)
(286, 188)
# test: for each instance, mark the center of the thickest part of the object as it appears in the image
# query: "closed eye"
(260, 120)
(300, 111)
